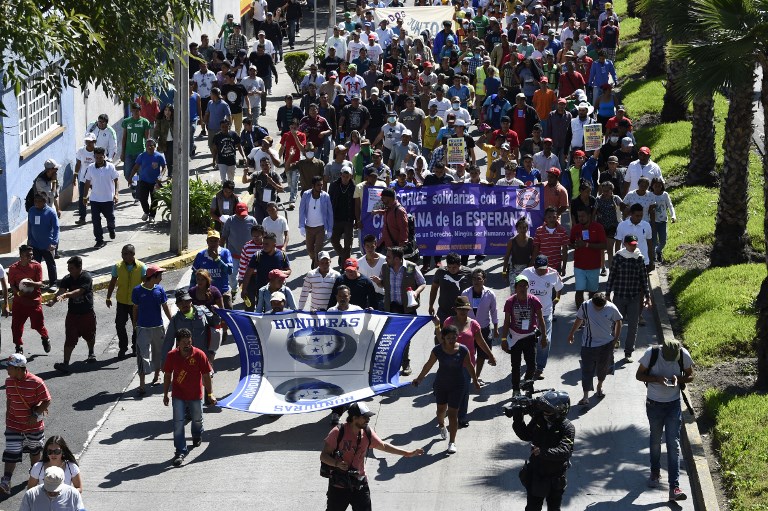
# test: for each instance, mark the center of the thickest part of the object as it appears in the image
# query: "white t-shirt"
(462, 114)
(336, 42)
(354, 50)
(662, 367)
(635, 171)
(204, 83)
(641, 230)
(392, 134)
(2, 272)
(369, 271)
(541, 287)
(385, 36)
(269, 48)
(374, 52)
(256, 154)
(442, 107)
(253, 85)
(86, 158)
(38, 472)
(279, 227)
(646, 201)
(599, 323)
(102, 182)
(351, 307)
(353, 84)
(260, 9)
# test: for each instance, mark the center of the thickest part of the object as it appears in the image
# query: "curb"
(172, 263)
(699, 472)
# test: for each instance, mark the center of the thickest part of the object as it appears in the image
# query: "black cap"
(360, 410)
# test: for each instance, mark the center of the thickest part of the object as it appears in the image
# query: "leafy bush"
(320, 53)
(294, 66)
(200, 196)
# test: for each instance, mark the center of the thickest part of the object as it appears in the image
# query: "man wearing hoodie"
(629, 289)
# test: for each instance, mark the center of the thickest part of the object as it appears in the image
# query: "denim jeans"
(542, 354)
(128, 163)
(325, 149)
(665, 418)
(180, 407)
(293, 184)
(660, 236)
(82, 211)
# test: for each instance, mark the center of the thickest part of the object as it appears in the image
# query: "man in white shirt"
(353, 83)
(269, 48)
(337, 41)
(319, 284)
(205, 80)
(105, 135)
(84, 159)
(255, 87)
(443, 104)
(103, 193)
(634, 224)
(644, 167)
(374, 50)
(277, 224)
(354, 46)
(369, 264)
(312, 77)
(384, 33)
(260, 8)
(543, 281)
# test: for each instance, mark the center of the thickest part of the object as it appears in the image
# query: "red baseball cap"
(350, 263)
(579, 152)
(241, 209)
(277, 273)
(554, 170)
(562, 101)
(152, 270)
(644, 150)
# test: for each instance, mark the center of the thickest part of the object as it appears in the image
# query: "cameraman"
(348, 483)
(551, 436)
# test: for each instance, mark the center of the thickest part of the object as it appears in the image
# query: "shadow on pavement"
(626, 503)
(387, 472)
(102, 398)
(134, 472)
(143, 430)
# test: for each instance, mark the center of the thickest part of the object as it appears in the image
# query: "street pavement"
(272, 462)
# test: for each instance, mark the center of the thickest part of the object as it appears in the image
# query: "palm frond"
(712, 66)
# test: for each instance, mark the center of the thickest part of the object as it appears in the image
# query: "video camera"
(524, 404)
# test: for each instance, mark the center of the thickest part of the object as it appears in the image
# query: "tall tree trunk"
(656, 62)
(632, 8)
(730, 242)
(645, 27)
(701, 169)
(761, 340)
(675, 106)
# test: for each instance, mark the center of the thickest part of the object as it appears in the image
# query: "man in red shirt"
(551, 240)
(190, 371)
(512, 139)
(292, 145)
(26, 278)
(588, 238)
(394, 232)
(555, 194)
(27, 401)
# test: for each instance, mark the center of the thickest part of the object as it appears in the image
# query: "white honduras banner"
(416, 19)
(297, 362)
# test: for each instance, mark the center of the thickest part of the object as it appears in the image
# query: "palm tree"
(761, 302)
(701, 166)
(656, 61)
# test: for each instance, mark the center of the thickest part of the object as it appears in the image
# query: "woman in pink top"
(470, 335)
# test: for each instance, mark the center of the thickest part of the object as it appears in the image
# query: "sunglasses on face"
(56, 452)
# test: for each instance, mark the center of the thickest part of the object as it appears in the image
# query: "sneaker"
(5, 485)
(539, 375)
(91, 359)
(443, 432)
(81, 221)
(515, 393)
(20, 349)
(111, 234)
(62, 367)
(463, 424)
(677, 494)
(53, 288)
(406, 370)
(654, 481)
(628, 358)
(451, 448)
(178, 459)
(335, 419)
(47, 345)
(144, 217)
(196, 442)
(100, 244)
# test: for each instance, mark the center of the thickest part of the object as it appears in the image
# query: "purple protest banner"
(464, 218)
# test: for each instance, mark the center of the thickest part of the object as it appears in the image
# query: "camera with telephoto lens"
(524, 404)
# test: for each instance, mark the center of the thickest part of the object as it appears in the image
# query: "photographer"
(345, 457)
(551, 436)
(665, 370)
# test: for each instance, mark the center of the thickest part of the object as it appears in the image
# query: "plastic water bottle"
(411, 294)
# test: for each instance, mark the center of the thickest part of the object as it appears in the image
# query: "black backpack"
(29, 200)
(411, 250)
(327, 470)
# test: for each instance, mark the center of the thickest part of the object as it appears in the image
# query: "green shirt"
(575, 180)
(481, 22)
(134, 134)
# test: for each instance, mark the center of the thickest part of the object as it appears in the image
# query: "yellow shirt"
(492, 153)
(431, 128)
(480, 81)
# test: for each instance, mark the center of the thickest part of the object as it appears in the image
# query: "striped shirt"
(598, 324)
(320, 287)
(249, 250)
(22, 395)
(551, 244)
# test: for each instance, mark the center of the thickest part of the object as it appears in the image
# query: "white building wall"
(220, 10)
